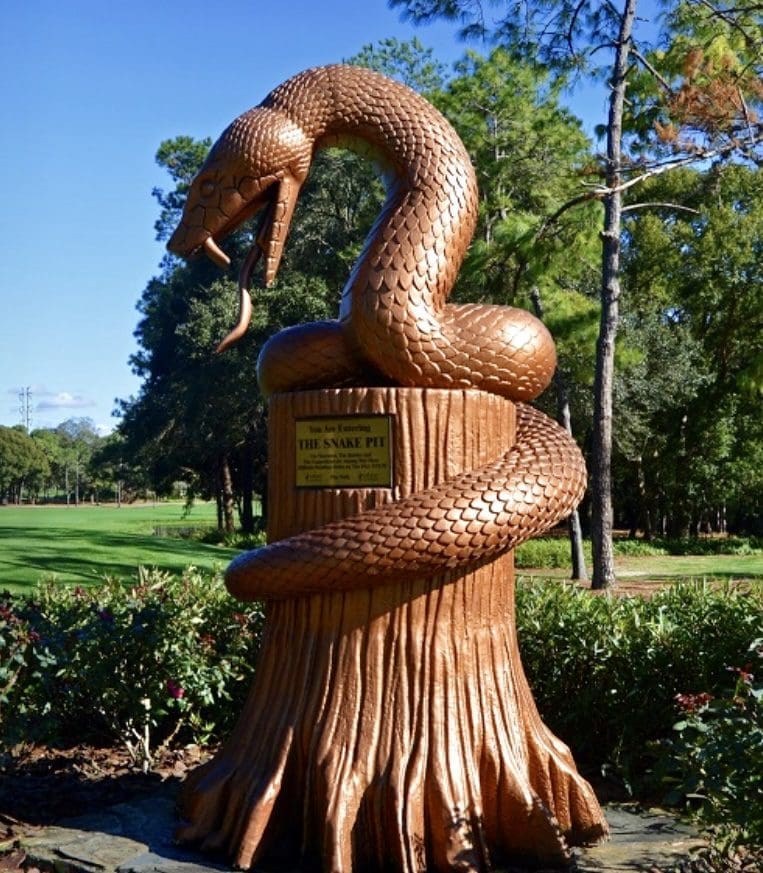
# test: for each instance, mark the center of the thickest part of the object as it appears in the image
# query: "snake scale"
(394, 323)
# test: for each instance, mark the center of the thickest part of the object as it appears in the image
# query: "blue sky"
(90, 90)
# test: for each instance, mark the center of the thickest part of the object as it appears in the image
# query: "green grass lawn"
(82, 544)
(667, 567)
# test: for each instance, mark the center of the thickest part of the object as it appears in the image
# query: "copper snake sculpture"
(394, 321)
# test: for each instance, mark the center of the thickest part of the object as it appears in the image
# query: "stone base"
(137, 838)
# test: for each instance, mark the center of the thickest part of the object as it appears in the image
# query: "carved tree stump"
(391, 729)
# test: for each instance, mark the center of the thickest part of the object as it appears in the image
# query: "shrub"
(139, 664)
(17, 641)
(714, 762)
(546, 553)
(170, 658)
(640, 548)
(691, 546)
(605, 670)
(236, 540)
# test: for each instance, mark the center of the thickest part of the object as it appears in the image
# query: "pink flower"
(744, 673)
(693, 702)
(174, 690)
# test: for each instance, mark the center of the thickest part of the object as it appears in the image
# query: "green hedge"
(605, 670)
(166, 657)
(169, 658)
(548, 553)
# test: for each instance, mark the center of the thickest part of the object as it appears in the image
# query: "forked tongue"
(245, 300)
(269, 242)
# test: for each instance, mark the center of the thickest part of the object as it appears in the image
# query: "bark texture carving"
(392, 728)
(390, 725)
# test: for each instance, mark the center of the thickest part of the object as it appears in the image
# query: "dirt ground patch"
(40, 786)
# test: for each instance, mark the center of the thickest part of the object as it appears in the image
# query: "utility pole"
(25, 407)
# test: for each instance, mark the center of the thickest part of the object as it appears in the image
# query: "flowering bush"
(170, 658)
(714, 763)
(605, 670)
(140, 664)
(16, 642)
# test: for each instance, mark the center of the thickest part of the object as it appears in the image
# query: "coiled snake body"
(394, 321)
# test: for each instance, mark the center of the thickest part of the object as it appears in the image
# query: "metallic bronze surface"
(394, 318)
(394, 321)
(471, 518)
(437, 761)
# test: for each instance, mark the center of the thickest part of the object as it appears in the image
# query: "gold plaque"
(349, 451)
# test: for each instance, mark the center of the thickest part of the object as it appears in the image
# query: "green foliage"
(166, 657)
(688, 420)
(22, 462)
(195, 409)
(408, 62)
(605, 670)
(52, 462)
(693, 546)
(547, 553)
(710, 86)
(169, 659)
(16, 643)
(528, 153)
(699, 75)
(713, 763)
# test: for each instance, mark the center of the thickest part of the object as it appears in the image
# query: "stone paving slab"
(641, 840)
(137, 838)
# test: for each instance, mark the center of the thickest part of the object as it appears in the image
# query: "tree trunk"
(577, 553)
(226, 488)
(574, 528)
(393, 728)
(645, 509)
(601, 458)
(247, 487)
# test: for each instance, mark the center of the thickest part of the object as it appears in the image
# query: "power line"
(25, 407)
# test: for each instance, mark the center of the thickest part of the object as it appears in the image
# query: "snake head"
(259, 163)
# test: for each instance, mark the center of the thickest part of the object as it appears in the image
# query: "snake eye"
(207, 188)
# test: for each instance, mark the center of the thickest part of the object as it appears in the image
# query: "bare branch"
(657, 205)
(601, 192)
(657, 75)
(746, 114)
(547, 223)
(613, 9)
(704, 155)
(571, 27)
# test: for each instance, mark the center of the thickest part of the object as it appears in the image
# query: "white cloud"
(64, 400)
